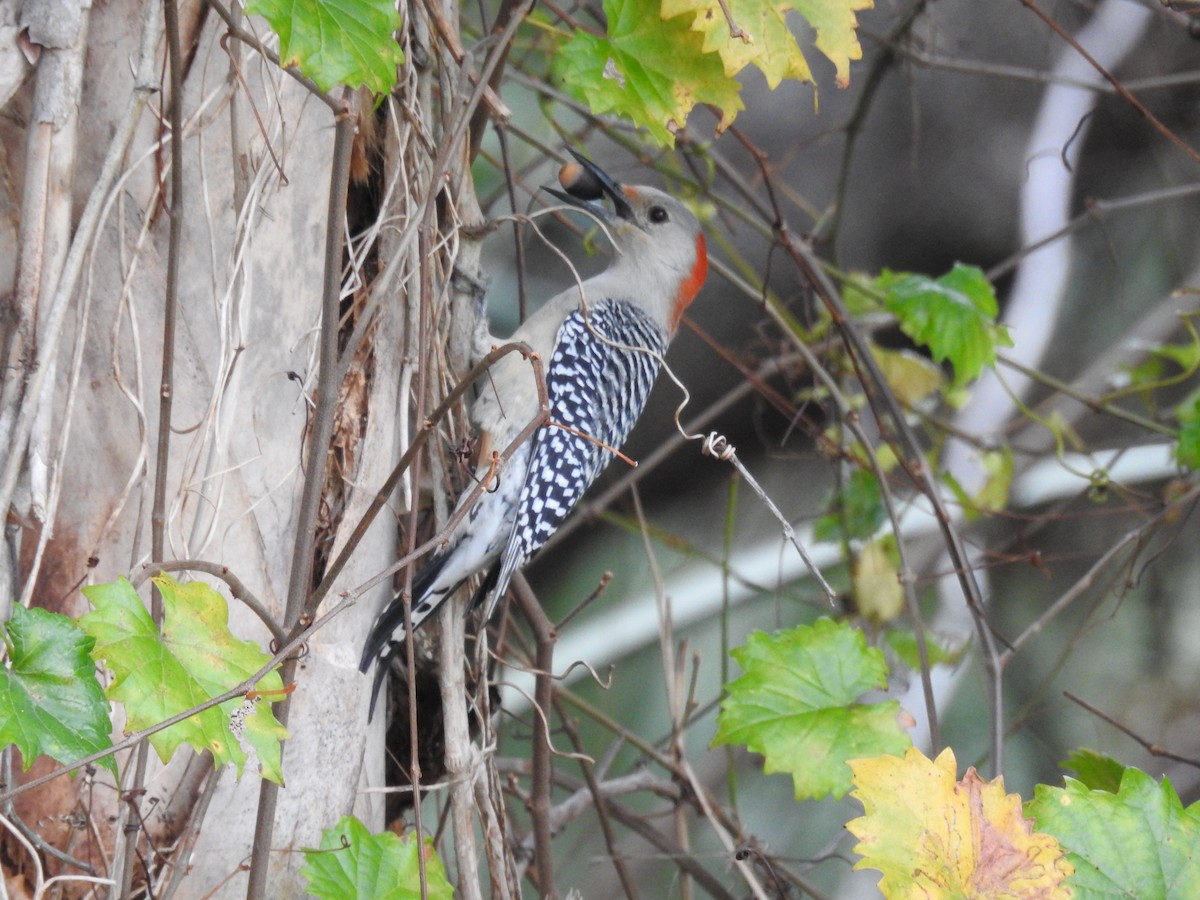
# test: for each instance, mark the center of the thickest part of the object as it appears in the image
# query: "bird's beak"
(607, 186)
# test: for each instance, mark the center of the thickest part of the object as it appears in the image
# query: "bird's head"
(660, 247)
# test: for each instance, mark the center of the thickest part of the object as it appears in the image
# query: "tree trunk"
(245, 373)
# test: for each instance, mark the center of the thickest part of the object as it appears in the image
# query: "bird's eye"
(658, 215)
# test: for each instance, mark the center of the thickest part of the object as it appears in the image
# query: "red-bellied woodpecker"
(602, 344)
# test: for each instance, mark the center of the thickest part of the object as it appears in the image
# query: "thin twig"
(459, 756)
(1096, 211)
(237, 589)
(250, 40)
(881, 63)
(1135, 537)
(175, 213)
(599, 801)
(717, 446)
(912, 460)
(1122, 91)
(1099, 405)
(492, 104)
(543, 771)
(187, 842)
(32, 836)
(687, 862)
(609, 789)
(1150, 747)
(158, 517)
(418, 315)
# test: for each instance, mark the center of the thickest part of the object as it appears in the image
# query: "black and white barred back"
(599, 378)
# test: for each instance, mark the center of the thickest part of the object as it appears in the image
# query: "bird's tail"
(392, 616)
(380, 644)
(383, 645)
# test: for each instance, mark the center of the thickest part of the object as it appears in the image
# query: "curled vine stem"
(717, 446)
(603, 683)
(544, 724)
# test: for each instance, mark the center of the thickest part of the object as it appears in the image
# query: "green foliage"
(647, 70)
(1187, 450)
(655, 63)
(157, 676)
(1095, 770)
(50, 701)
(855, 510)
(928, 833)
(658, 61)
(336, 42)
(1137, 842)
(993, 495)
(998, 465)
(904, 645)
(1152, 372)
(835, 24)
(352, 862)
(954, 316)
(796, 705)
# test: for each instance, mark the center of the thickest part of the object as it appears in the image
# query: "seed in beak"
(579, 182)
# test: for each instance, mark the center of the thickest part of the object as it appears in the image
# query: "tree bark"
(245, 372)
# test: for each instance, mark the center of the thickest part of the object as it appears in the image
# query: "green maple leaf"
(650, 71)
(50, 701)
(954, 316)
(1138, 842)
(764, 39)
(352, 862)
(796, 705)
(335, 42)
(196, 657)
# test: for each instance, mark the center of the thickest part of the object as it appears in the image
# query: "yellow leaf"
(910, 375)
(746, 32)
(878, 593)
(998, 464)
(835, 22)
(934, 837)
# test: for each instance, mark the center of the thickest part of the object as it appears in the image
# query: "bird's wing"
(599, 377)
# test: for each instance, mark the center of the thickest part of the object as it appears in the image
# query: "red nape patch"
(690, 286)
